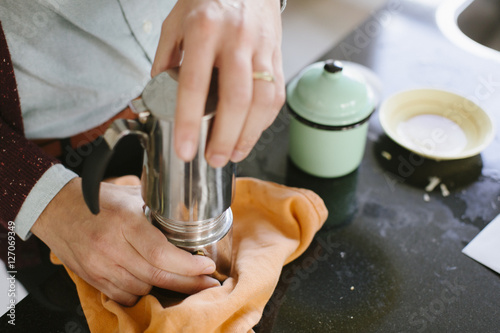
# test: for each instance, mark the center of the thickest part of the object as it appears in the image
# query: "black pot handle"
(96, 163)
(93, 172)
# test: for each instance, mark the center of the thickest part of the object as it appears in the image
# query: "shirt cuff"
(51, 182)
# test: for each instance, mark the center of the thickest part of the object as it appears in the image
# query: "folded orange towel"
(273, 225)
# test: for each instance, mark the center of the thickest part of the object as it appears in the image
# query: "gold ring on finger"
(264, 76)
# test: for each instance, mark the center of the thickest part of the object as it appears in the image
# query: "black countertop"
(386, 260)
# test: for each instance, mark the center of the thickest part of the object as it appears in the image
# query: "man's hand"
(118, 251)
(239, 38)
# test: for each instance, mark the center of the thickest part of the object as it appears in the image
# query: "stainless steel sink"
(480, 21)
(472, 24)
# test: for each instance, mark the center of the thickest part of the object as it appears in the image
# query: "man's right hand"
(118, 251)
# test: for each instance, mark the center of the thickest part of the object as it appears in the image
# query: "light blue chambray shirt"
(77, 63)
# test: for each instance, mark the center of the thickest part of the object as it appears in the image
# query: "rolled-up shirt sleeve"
(45, 189)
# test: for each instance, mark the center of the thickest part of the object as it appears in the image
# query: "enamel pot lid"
(330, 96)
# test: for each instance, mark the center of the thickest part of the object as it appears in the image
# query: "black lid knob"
(332, 66)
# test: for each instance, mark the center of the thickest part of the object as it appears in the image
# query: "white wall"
(312, 27)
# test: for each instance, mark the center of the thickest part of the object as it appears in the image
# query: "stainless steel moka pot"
(190, 202)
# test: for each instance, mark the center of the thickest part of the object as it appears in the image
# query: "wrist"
(63, 202)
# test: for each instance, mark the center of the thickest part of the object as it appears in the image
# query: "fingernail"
(214, 283)
(209, 270)
(217, 160)
(187, 150)
(237, 156)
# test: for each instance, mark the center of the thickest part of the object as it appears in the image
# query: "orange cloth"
(273, 225)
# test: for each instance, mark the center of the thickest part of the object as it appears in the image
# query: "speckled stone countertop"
(386, 260)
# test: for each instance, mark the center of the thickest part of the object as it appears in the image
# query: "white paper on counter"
(485, 247)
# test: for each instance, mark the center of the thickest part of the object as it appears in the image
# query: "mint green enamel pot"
(330, 108)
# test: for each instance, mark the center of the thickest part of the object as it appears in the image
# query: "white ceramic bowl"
(436, 124)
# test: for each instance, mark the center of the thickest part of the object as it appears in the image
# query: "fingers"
(117, 294)
(242, 115)
(238, 40)
(126, 290)
(136, 277)
(183, 284)
(169, 50)
(158, 262)
(194, 81)
(152, 245)
(123, 287)
(104, 274)
(279, 80)
(235, 96)
(266, 102)
(142, 260)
